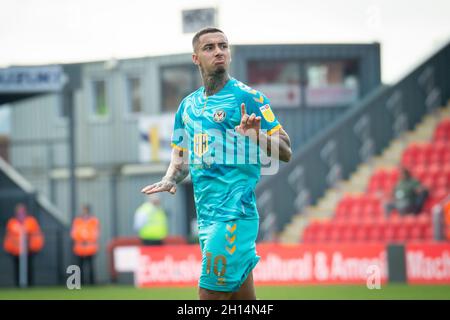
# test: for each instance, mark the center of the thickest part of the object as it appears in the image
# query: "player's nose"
(218, 52)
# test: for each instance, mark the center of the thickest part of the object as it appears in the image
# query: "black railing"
(304, 124)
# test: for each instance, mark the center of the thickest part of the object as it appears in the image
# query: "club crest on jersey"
(200, 144)
(219, 115)
(267, 113)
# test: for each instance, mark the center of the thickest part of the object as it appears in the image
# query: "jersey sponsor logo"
(200, 144)
(219, 115)
(246, 88)
(267, 113)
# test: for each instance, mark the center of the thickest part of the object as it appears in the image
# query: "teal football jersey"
(224, 165)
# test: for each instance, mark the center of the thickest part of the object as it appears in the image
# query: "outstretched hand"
(161, 186)
(250, 124)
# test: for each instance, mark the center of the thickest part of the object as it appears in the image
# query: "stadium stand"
(360, 217)
(341, 159)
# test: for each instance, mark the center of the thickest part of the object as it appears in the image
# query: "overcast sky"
(52, 31)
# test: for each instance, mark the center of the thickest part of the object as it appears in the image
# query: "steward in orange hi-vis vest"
(85, 232)
(24, 226)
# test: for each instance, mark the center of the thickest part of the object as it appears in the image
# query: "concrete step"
(319, 213)
(329, 199)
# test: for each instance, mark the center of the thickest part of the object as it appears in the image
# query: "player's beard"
(215, 80)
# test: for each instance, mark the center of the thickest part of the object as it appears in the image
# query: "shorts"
(228, 253)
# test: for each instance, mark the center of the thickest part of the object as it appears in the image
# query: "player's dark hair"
(202, 32)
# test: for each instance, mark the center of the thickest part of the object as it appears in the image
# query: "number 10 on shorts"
(220, 265)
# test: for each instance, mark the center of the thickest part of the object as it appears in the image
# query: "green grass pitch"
(387, 292)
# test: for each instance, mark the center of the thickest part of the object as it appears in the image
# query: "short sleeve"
(179, 138)
(259, 104)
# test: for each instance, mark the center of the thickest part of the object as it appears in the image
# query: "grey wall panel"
(114, 140)
(94, 134)
(130, 198)
(155, 76)
(35, 131)
(37, 118)
(59, 155)
(62, 197)
(28, 156)
(24, 115)
(367, 54)
(41, 183)
(96, 193)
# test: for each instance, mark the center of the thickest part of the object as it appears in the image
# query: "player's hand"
(161, 186)
(250, 124)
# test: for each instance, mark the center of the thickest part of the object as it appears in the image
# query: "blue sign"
(32, 79)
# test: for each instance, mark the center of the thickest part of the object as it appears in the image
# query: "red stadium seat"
(307, 236)
(388, 233)
(416, 233)
(428, 182)
(429, 233)
(446, 158)
(324, 232)
(443, 182)
(341, 210)
(356, 212)
(402, 233)
(423, 219)
(442, 131)
(337, 229)
(391, 228)
(311, 231)
(367, 214)
(362, 232)
(375, 233)
(409, 155)
(427, 151)
(419, 171)
(440, 194)
(348, 233)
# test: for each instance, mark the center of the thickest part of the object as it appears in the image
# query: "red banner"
(428, 263)
(178, 265)
(320, 264)
(279, 264)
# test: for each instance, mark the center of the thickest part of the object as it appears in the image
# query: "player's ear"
(195, 59)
